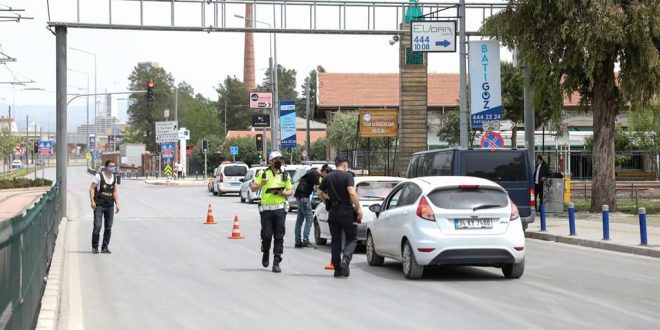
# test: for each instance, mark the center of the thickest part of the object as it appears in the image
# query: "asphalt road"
(168, 270)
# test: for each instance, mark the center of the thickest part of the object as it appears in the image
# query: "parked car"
(246, 193)
(16, 163)
(510, 168)
(228, 178)
(446, 220)
(292, 203)
(370, 190)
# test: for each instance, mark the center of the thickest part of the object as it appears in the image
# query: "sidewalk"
(14, 201)
(624, 232)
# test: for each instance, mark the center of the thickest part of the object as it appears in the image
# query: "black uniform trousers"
(538, 195)
(342, 219)
(272, 224)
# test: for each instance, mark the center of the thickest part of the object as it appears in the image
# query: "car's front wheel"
(411, 269)
(372, 256)
(514, 270)
(317, 234)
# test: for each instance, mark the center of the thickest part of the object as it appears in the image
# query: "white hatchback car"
(370, 190)
(447, 220)
(246, 194)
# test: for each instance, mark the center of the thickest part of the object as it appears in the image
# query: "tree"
(247, 150)
(143, 115)
(450, 130)
(234, 94)
(318, 150)
(8, 142)
(342, 131)
(512, 97)
(645, 127)
(215, 153)
(572, 46)
(202, 119)
(302, 102)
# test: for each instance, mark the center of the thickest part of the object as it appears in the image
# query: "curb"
(175, 183)
(638, 250)
(50, 301)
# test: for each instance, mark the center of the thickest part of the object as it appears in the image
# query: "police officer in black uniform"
(104, 200)
(337, 190)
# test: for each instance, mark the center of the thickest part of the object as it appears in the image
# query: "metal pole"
(571, 219)
(307, 141)
(606, 222)
(27, 139)
(642, 226)
(464, 115)
(272, 108)
(60, 105)
(225, 118)
(276, 100)
(528, 118)
(205, 163)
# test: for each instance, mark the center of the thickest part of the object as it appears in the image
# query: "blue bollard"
(571, 219)
(606, 222)
(642, 226)
(543, 224)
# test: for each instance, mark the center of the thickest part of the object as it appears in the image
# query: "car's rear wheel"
(240, 194)
(514, 270)
(317, 234)
(411, 269)
(372, 256)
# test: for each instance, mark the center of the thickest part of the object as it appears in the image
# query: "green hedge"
(24, 183)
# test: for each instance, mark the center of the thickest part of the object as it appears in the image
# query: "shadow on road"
(392, 271)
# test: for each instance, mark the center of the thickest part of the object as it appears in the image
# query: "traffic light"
(151, 91)
(260, 142)
(205, 145)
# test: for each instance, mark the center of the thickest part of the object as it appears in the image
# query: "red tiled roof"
(300, 135)
(382, 90)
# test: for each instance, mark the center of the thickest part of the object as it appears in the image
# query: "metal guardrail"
(630, 165)
(26, 249)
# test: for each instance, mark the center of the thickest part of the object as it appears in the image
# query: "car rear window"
(235, 170)
(375, 189)
(495, 166)
(455, 198)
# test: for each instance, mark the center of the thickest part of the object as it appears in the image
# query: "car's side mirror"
(375, 208)
(241, 179)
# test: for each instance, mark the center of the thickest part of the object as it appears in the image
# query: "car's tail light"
(424, 210)
(468, 186)
(515, 215)
(532, 201)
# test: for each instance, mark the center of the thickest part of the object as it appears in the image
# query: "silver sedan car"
(370, 190)
(446, 220)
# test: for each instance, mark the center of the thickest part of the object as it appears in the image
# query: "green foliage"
(202, 119)
(450, 131)
(8, 142)
(342, 131)
(247, 150)
(24, 183)
(234, 94)
(644, 124)
(318, 149)
(623, 141)
(215, 153)
(142, 115)
(302, 102)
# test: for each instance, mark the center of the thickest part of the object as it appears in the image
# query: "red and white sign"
(19, 150)
(261, 100)
(492, 141)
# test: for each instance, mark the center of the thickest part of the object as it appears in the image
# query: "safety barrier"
(606, 222)
(26, 249)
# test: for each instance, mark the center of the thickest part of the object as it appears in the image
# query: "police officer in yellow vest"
(275, 187)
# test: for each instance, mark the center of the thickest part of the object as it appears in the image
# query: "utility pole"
(307, 141)
(225, 118)
(61, 105)
(276, 100)
(464, 114)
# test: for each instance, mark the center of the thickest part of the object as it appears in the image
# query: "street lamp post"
(272, 61)
(95, 85)
(87, 98)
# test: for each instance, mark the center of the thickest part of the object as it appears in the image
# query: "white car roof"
(448, 181)
(359, 179)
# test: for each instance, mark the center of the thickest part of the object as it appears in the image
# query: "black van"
(510, 168)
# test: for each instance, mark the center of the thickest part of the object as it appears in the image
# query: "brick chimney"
(248, 55)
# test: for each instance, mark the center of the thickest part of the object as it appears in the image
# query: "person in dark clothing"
(304, 190)
(541, 172)
(337, 190)
(104, 199)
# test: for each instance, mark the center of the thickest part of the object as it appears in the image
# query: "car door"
(401, 217)
(383, 227)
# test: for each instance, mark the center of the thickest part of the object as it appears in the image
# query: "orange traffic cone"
(236, 232)
(331, 266)
(210, 220)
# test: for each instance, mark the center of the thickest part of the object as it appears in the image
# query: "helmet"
(274, 155)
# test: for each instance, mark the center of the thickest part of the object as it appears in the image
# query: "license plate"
(473, 223)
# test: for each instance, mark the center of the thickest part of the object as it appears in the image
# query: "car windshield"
(235, 170)
(473, 199)
(375, 189)
(495, 166)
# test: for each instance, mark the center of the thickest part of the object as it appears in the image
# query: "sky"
(201, 59)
